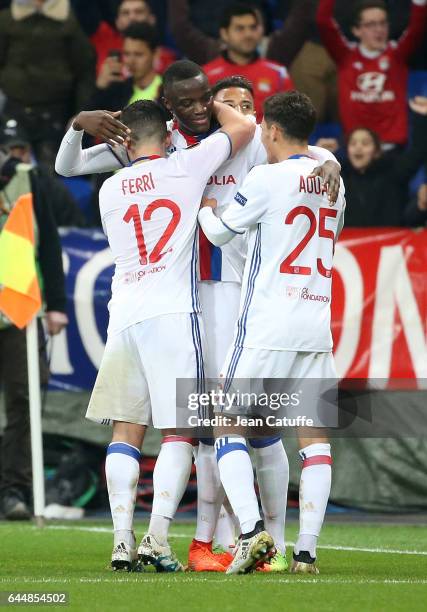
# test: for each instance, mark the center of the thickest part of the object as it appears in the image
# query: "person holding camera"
(128, 76)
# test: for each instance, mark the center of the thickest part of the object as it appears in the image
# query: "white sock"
(225, 532)
(122, 474)
(209, 493)
(315, 486)
(237, 478)
(159, 528)
(170, 478)
(272, 472)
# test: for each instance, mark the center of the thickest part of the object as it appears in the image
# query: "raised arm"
(239, 128)
(284, 44)
(249, 205)
(73, 160)
(191, 41)
(330, 33)
(412, 36)
(409, 162)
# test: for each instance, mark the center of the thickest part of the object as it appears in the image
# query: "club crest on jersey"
(264, 85)
(384, 63)
(240, 199)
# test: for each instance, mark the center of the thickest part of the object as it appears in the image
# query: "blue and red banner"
(379, 305)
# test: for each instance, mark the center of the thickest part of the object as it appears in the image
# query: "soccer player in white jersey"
(188, 96)
(149, 214)
(292, 232)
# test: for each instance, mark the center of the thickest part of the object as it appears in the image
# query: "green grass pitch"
(364, 567)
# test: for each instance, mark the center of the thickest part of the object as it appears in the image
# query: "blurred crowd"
(363, 63)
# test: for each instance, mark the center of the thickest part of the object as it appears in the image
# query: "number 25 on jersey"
(286, 266)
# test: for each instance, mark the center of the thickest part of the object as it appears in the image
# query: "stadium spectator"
(376, 183)
(195, 26)
(46, 70)
(15, 454)
(16, 143)
(241, 32)
(372, 75)
(113, 89)
(106, 36)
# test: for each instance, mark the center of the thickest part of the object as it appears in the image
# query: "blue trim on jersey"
(263, 442)
(229, 142)
(196, 351)
(223, 448)
(241, 323)
(118, 158)
(230, 228)
(298, 156)
(197, 342)
(124, 449)
(194, 285)
(216, 262)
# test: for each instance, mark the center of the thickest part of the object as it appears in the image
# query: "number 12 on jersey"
(285, 266)
(133, 214)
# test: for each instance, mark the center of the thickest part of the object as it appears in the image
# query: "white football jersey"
(286, 293)
(224, 263)
(149, 214)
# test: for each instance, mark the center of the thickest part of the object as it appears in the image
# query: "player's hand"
(419, 104)
(55, 322)
(331, 144)
(111, 72)
(209, 203)
(329, 172)
(104, 125)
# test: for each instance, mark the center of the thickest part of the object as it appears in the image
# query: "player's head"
(139, 49)
(133, 11)
(188, 96)
(147, 122)
(241, 28)
(363, 146)
(370, 24)
(237, 92)
(289, 118)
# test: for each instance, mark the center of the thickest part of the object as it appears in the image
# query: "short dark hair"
(180, 71)
(293, 111)
(363, 5)
(233, 81)
(146, 120)
(372, 134)
(237, 9)
(143, 31)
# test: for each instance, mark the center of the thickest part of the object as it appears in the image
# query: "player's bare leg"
(122, 474)
(315, 487)
(170, 478)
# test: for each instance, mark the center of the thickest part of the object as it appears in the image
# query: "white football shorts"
(136, 382)
(220, 311)
(300, 383)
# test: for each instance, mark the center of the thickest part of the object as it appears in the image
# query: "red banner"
(379, 306)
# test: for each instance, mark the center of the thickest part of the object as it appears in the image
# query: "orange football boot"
(202, 559)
